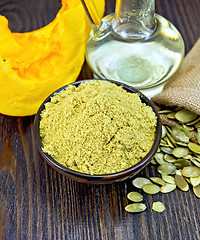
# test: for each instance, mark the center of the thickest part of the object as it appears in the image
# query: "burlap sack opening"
(182, 89)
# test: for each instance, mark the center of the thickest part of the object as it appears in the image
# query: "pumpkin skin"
(34, 64)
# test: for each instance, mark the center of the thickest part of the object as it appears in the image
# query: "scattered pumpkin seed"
(198, 137)
(194, 122)
(187, 156)
(191, 171)
(168, 188)
(196, 163)
(158, 207)
(157, 180)
(188, 129)
(159, 157)
(171, 115)
(153, 161)
(164, 131)
(151, 188)
(166, 169)
(164, 111)
(135, 207)
(179, 135)
(181, 182)
(197, 158)
(188, 180)
(158, 149)
(135, 196)
(166, 150)
(182, 144)
(181, 163)
(170, 141)
(180, 152)
(139, 182)
(185, 116)
(163, 143)
(168, 129)
(194, 147)
(195, 181)
(168, 179)
(196, 190)
(169, 158)
(197, 155)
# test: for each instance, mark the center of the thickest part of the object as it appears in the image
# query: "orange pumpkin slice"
(34, 64)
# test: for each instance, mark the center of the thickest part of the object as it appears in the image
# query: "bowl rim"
(105, 177)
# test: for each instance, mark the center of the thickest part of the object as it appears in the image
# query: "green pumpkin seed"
(180, 152)
(164, 131)
(181, 182)
(194, 147)
(191, 171)
(167, 150)
(168, 188)
(164, 111)
(168, 129)
(159, 157)
(188, 180)
(194, 122)
(195, 181)
(170, 141)
(163, 143)
(196, 163)
(179, 135)
(181, 163)
(198, 137)
(185, 116)
(166, 169)
(158, 207)
(196, 190)
(169, 158)
(197, 158)
(189, 128)
(135, 207)
(188, 156)
(158, 149)
(157, 180)
(171, 115)
(135, 197)
(151, 188)
(139, 182)
(153, 161)
(197, 155)
(168, 179)
(182, 144)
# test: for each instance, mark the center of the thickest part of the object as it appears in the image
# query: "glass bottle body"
(140, 61)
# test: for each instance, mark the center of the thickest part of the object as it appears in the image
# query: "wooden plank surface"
(38, 203)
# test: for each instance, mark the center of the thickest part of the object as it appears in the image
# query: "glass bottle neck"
(134, 19)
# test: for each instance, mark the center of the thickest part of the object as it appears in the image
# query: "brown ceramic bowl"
(99, 179)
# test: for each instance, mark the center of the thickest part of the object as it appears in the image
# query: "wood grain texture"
(38, 203)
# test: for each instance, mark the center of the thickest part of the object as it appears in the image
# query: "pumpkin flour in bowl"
(97, 128)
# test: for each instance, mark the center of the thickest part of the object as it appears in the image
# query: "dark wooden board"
(38, 203)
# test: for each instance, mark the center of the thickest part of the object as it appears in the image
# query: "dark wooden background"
(38, 203)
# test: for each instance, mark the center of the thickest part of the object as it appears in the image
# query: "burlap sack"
(182, 89)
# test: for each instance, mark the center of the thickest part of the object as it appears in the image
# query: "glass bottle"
(133, 45)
